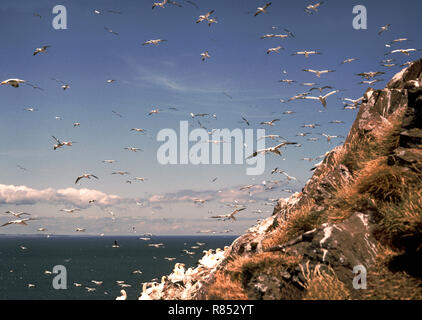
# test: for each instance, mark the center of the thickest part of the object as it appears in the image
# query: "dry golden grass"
(397, 196)
(383, 183)
(383, 284)
(228, 284)
(401, 224)
(320, 285)
(299, 222)
(225, 288)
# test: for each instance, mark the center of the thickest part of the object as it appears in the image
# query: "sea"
(24, 260)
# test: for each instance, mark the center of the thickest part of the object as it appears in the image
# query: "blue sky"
(172, 75)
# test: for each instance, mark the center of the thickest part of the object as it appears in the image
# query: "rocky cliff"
(362, 210)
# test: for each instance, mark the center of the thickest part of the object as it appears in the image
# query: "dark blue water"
(91, 258)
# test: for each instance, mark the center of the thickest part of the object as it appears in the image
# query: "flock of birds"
(180, 274)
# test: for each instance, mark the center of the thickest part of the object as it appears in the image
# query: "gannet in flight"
(18, 214)
(133, 149)
(62, 143)
(287, 81)
(355, 102)
(305, 53)
(205, 55)
(211, 21)
(322, 99)
(313, 7)
(384, 28)
(154, 111)
(86, 176)
(154, 42)
(262, 9)
(270, 123)
(13, 82)
(228, 216)
(399, 40)
(138, 130)
(70, 210)
(193, 115)
(370, 82)
(20, 221)
(272, 149)
(330, 137)
(245, 121)
(311, 125)
(111, 31)
(108, 161)
(204, 17)
(404, 51)
(42, 49)
(318, 73)
(122, 173)
(276, 49)
(270, 136)
(159, 4)
(369, 75)
(349, 60)
(111, 80)
(321, 88)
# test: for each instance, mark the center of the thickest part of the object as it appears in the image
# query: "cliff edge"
(355, 230)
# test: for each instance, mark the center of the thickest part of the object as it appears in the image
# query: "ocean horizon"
(24, 260)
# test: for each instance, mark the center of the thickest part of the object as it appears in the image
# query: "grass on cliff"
(232, 282)
(372, 181)
(390, 193)
(322, 285)
(386, 282)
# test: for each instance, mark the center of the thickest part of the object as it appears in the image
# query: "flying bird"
(276, 49)
(70, 210)
(404, 51)
(322, 99)
(205, 55)
(318, 73)
(42, 49)
(370, 75)
(349, 60)
(12, 82)
(312, 8)
(262, 9)
(154, 42)
(111, 31)
(204, 17)
(159, 4)
(275, 149)
(17, 214)
(228, 216)
(20, 221)
(86, 176)
(305, 53)
(383, 29)
(270, 123)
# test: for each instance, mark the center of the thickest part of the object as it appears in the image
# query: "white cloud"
(23, 195)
